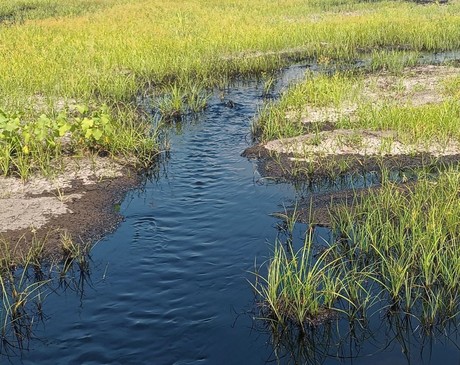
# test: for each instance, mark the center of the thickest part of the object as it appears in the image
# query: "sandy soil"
(79, 200)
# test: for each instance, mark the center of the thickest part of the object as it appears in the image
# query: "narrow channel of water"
(170, 285)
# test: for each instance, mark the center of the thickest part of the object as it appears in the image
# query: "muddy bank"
(287, 167)
(316, 209)
(81, 201)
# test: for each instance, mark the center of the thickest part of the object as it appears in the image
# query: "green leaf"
(26, 136)
(88, 133)
(97, 134)
(82, 109)
(87, 123)
(105, 119)
(63, 129)
(12, 125)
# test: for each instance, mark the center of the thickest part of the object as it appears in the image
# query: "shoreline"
(80, 202)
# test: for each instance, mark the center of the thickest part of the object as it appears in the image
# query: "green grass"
(98, 52)
(28, 275)
(114, 50)
(283, 119)
(396, 249)
(413, 123)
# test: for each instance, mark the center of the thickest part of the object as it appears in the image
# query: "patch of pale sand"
(416, 86)
(355, 142)
(32, 213)
(23, 207)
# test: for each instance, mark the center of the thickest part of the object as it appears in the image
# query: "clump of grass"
(396, 248)
(180, 100)
(298, 287)
(392, 61)
(283, 119)
(74, 252)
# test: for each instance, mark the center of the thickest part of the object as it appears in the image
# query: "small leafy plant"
(28, 144)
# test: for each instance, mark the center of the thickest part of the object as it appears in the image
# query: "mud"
(286, 167)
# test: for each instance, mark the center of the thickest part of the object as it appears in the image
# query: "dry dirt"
(80, 200)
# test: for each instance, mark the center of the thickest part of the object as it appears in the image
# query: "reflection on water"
(363, 341)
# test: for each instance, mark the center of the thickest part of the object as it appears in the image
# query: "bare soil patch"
(80, 201)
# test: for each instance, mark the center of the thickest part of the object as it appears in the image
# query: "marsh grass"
(28, 275)
(284, 118)
(392, 60)
(354, 101)
(395, 249)
(178, 101)
(87, 58)
(110, 52)
(414, 124)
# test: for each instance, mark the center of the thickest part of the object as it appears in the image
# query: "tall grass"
(114, 50)
(109, 52)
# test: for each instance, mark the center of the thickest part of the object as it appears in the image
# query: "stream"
(172, 284)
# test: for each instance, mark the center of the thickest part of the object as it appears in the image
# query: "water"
(170, 286)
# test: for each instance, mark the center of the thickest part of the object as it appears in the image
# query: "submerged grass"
(396, 249)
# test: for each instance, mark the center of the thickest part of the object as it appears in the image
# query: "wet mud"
(316, 208)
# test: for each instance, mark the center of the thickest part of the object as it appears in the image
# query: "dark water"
(170, 285)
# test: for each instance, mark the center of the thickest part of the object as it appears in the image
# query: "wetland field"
(229, 182)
